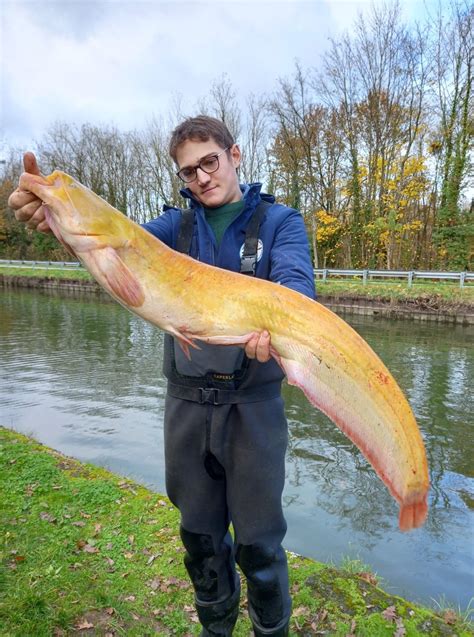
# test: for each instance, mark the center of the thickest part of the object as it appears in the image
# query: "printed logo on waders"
(259, 250)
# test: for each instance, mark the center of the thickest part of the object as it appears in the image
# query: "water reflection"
(84, 376)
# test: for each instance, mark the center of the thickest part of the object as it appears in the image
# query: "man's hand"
(27, 207)
(259, 347)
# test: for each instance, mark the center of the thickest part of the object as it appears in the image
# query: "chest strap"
(216, 396)
(248, 260)
(185, 234)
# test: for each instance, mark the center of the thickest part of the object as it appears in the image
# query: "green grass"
(78, 274)
(428, 293)
(87, 552)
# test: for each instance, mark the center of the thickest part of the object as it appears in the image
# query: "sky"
(119, 62)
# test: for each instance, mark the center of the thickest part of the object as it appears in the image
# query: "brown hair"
(201, 128)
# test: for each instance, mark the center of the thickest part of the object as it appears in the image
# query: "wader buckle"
(208, 395)
(248, 264)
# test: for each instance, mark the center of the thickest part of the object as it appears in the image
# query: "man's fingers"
(20, 198)
(27, 211)
(30, 164)
(263, 347)
(259, 347)
(36, 219)
(251, 345)
(44, 227)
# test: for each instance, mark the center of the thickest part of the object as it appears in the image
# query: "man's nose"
(202, 177)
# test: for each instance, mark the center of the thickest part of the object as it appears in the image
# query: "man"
(225, 428)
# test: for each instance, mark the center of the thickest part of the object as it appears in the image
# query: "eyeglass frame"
(195, 168)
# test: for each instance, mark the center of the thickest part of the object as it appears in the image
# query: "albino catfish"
(320, 353)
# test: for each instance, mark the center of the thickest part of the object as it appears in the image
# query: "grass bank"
(87, 552)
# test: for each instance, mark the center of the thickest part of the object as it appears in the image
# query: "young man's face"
(218, 188)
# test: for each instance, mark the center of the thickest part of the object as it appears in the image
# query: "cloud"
(123, 62)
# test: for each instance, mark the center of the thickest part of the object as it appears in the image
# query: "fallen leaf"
(131, 539)
(130, 598)
(151, 559)
(369, 577)
(84, 625)
(390, 613)
(155, 584)
(110, 610)
(449, 617)
(301, 610)
(47, 517)
(401, 631)
(128, 556)
(90, 549)
(78, 523)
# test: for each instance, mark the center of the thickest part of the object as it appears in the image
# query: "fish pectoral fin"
(109, 269)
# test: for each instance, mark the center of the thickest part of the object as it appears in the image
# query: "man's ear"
(236, 155)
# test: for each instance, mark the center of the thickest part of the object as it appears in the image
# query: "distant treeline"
(374, 146)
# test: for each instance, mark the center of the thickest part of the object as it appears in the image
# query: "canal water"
(83, 375)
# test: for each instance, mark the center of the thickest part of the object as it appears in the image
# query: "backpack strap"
(248, 261)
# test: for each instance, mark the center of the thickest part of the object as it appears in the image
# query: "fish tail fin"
(356, 391)
(412, 515)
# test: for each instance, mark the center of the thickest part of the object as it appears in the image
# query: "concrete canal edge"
(413, 309)
(455, 314)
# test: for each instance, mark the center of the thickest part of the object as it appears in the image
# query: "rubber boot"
(281, 630)
(218, 618)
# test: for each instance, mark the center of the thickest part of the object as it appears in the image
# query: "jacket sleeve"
(290, 256)
(161, 228)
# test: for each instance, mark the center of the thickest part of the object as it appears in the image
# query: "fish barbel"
(318, 351)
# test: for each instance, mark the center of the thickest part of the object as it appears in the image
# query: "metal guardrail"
(324, 273)
(40, 265)
(409, 275)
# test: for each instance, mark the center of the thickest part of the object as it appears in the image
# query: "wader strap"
(214, 396)
(185, 234)
(248, 261)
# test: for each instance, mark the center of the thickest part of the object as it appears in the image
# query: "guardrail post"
(410, 278)
(325, 274)
(462, 278)
(364, 276)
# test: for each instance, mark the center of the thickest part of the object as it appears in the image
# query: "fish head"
(80, 219)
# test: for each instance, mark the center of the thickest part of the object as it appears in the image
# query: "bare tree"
(254, 140)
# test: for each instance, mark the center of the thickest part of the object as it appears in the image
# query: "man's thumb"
(30, 164)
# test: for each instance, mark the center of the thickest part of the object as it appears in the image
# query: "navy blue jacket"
(284, 258)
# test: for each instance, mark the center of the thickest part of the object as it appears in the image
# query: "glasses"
(209, 165)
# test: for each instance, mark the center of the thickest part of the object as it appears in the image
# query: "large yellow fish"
(336, 369)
